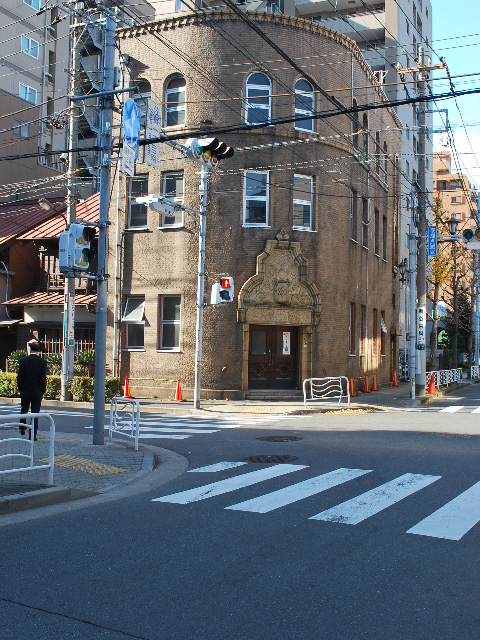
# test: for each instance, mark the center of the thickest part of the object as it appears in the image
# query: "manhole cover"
(280, 438)
(271, 459)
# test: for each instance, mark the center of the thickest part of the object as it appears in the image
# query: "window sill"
(352, 355)
(168, 350)
(171, 227)
(137, 230)
(354, 241)
(256, 226)
(134, 349)
(307, 229)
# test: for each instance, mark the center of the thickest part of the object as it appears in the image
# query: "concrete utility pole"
(106, 107)
(68, 353)
(201, 285)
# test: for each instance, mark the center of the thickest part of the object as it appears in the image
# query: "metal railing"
(124, 418)
(331, 388)
(12, 421)
(474, 372)
(444, 377)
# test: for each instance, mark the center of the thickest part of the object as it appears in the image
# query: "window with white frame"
(137, 213)
(27, 93)
(353, 216)
(302, 202)
(169, 323)
(175, 102)
(304, 106)
(365, 222)
(255, 198)
(172, 188)
(35, 4)
(21, 129)
(30, 47)
(377, 232)
(258, 103)
(384, 238)
(134, 322)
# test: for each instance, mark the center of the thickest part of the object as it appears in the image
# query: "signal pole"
(201, 285)
(106, 107)
(68, 353)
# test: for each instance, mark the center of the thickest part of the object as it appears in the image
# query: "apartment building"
(458, 197)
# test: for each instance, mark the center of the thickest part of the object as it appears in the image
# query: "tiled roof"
(88, 210)
(50, 299)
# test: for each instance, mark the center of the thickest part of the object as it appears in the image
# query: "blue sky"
(456, 36)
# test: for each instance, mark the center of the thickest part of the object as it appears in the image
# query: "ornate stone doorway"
(279, 299)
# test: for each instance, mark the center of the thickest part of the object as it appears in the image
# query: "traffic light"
(208, 151)
(223, 291)
(75, 252)
(472, 238)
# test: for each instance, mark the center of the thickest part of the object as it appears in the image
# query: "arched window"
(385, 161)
(175, 102)
(258, 104)
(304, 105)
(355, 126)
(141, 96)
(378, 152)
(365, 133)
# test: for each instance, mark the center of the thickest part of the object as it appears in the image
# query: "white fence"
(125, 418)
(12, 421)
(444, 377)
(474, 372)
(331, 388)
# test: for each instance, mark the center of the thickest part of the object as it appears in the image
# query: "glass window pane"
(302, 188)
(176, 83)
(258, 93)
(303, 85)
(135, 335)
(175, 98)
(303, 102)
(301, 215)
(258, 78)
(256, 212)
(171, 308)
(259, 343)
(170, 336)
(257, 114)
(175, 219)
(173, 185)
(138, 212)
(256, 184)
(134, 310)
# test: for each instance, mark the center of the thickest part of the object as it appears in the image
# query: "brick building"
(304, 216)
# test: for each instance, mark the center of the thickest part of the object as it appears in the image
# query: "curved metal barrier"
(125, 418)
(330, 388)
(12, 421)
(444, 377)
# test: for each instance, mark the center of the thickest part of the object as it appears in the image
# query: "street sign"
(421, 327)
(131, 134)
(432, 242)
(152, 130)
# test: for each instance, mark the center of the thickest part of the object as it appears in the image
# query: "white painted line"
(173, 430)
(163, 436)
(368, 504)
(299, 491)
(452, 409)
(232, 484)
(477, 410)
(219, 466)
(166, 423)
(455, 519)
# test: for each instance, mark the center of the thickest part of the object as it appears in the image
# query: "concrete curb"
(41, 498)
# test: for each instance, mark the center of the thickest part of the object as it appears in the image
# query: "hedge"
(81, 387)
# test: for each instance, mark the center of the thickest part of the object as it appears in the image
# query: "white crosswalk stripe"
(451, 522)
(372, 502)
(452, 409)
(299, 491)
(232, 484)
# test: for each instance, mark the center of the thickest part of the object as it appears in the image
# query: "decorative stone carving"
(280, 292)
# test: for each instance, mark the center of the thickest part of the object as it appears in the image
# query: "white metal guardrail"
(124, 418)
(331, 388)
(474, 372)
(444, 377)
(12, 421)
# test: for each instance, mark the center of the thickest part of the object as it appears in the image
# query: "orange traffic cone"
(365, 384)
(431, 386)
(352, 388)
(374, 383)
(126, 390)
(394, 383)
(178, 393)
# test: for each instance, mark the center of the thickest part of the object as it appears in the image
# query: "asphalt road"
(288, 552)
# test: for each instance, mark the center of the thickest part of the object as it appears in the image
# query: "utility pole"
(201, 284)
(68, 353)
(106, 108)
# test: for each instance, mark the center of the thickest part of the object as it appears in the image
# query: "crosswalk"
(450, 522)
(454, 408)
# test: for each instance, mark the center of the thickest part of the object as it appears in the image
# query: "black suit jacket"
(32, 375)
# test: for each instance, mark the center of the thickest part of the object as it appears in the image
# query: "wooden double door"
(273, 357)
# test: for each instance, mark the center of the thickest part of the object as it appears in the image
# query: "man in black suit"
(31, 382)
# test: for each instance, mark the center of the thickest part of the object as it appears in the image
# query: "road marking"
(232, 484)
(455, 519)
(163, 436)
(452, 409)
(299, 491)
(219, 466)
(477, 410)
(172, 430)
(160, 423)
(368, 504)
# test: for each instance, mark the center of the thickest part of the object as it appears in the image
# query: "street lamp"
(453, 224)
(46, 205)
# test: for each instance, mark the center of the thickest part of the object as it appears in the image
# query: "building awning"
(39, 298)
(8, 323)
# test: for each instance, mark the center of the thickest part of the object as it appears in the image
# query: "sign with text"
(432, 242)
(69, 321)
(286, 343)
(152, 130)
(421, 327)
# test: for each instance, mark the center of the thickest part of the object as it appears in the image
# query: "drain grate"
(280, 438)
(269, 459)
